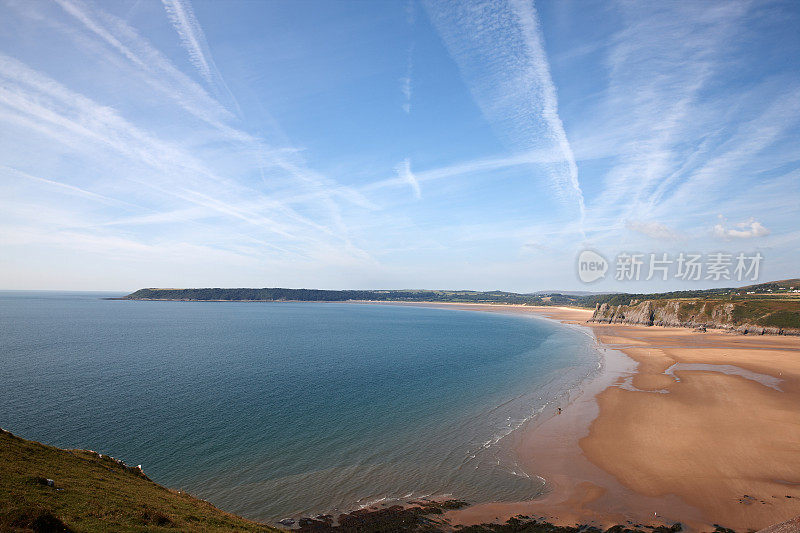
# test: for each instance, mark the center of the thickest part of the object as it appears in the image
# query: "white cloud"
(183, 173)
(405, 81)
(742, 230)
(64, 187)
(166, 78)
(499, 49)
(193, 39)
(652, 113)
(403, 170)
(32, 99)
(485, 165)
(405, 88)
(653, 229)
(140, 155)
(157, 69)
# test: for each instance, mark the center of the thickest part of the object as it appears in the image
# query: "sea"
(274, 410)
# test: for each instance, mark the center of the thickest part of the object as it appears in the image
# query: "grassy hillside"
(774, 313)
(94, 493)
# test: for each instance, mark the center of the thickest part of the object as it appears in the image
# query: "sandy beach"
(683, 426)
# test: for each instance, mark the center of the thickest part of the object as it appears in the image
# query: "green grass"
(768, 312)
(93, 493)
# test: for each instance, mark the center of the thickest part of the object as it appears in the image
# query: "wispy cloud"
(35, 100)
(500, 51)
(628, 126)
(193, 39)
(71, 189)
(476, 166)
(765, 125)
(652, 112)
(529, 23)
(161, 74)
(653, 229)
(165, 77)
(407, 79)
(157, 70)
(405, 88)
(404, 173)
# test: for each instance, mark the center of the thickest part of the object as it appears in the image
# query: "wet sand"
(726, 443)
(682, 426)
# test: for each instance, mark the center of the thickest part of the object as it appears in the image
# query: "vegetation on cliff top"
(47, 489)
(90, 492)
(770, 315)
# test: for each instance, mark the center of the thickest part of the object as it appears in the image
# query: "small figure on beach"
(559, 410)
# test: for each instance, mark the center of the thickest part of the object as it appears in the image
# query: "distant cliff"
(762, 317)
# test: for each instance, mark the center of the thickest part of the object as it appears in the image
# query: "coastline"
(683, 426)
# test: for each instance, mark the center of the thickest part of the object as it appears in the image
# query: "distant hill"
(772, 307)
(320, 295)
(43, 488)
(575, 298)
(781, 286)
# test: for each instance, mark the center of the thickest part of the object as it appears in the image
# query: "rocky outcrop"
(698, 314)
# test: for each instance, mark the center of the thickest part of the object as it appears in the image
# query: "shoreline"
(679, 426)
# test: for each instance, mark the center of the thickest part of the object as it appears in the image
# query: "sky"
(395, 144)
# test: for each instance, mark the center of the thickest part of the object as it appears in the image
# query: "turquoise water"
(272, 410)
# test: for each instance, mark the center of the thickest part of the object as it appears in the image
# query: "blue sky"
(392, 144)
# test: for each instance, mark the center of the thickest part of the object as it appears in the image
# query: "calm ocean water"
(283, 409)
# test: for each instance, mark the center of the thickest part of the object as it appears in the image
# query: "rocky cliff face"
(688, 314)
